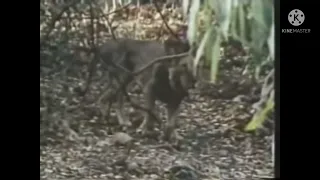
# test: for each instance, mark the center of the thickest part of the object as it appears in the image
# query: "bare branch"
(164, 21)
(160, 59)
(55, 19)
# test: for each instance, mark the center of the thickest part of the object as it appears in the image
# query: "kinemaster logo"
(296, 18)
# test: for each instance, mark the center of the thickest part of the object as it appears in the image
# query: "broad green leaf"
(211, 4)
(234, 22)
(262, 12)
(206, 4)
(268, 12)
(192, 26)
(271, 42)
(207, 11)
(235, 3)
(257, 10)
(242, 22)
(208, 23)
(261, 115)
(223, 12)
(215, 57)
(201, 49)
(208, 49)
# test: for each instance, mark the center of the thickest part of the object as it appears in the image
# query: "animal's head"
(181, 78)
(173, 46)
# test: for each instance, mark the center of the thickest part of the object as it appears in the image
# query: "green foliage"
(201, 48)
(249, 21)
(261, 115)
(195, 5)
(215, 57)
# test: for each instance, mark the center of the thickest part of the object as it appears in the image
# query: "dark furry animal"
(163, 81)
(169, 85)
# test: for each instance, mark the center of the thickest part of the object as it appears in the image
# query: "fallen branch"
(55, 19)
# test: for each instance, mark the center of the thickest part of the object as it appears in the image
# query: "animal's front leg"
(148, 122)
(172, 113)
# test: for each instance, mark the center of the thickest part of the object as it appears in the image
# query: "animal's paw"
(170, 134)
(125, 123)
(143, 128)
(146, 129)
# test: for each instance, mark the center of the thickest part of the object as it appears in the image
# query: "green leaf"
(271, 42)
(233, 26)
(200, 50)
(185, 6)
(211, 4)
(261, 115)
(262, 17)
(257, 9)
(223, 12)
(215, 57)
(192, 26)
(208, 23)
(208, 49)
(242, 22)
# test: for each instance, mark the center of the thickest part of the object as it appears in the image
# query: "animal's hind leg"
(123, 121)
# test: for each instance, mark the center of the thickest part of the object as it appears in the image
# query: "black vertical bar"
(299, 52)
(277, 90)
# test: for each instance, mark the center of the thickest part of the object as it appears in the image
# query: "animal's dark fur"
(169, 85)
(163, 82)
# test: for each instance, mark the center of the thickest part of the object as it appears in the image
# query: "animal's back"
(138, 52)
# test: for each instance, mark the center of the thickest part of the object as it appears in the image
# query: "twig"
(108, 22)
(93, 46)
(157, 60)
(103, 15)
(163, 19)
(55, 19)
(119, 9)
(95, 50)
(93, 62)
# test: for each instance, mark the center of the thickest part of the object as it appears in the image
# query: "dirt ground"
(213, 144)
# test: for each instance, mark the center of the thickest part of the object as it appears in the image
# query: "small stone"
(154, 176)
(118, 177)
(223, 152)
(133, 166)
(110, 175)
(121, 138)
